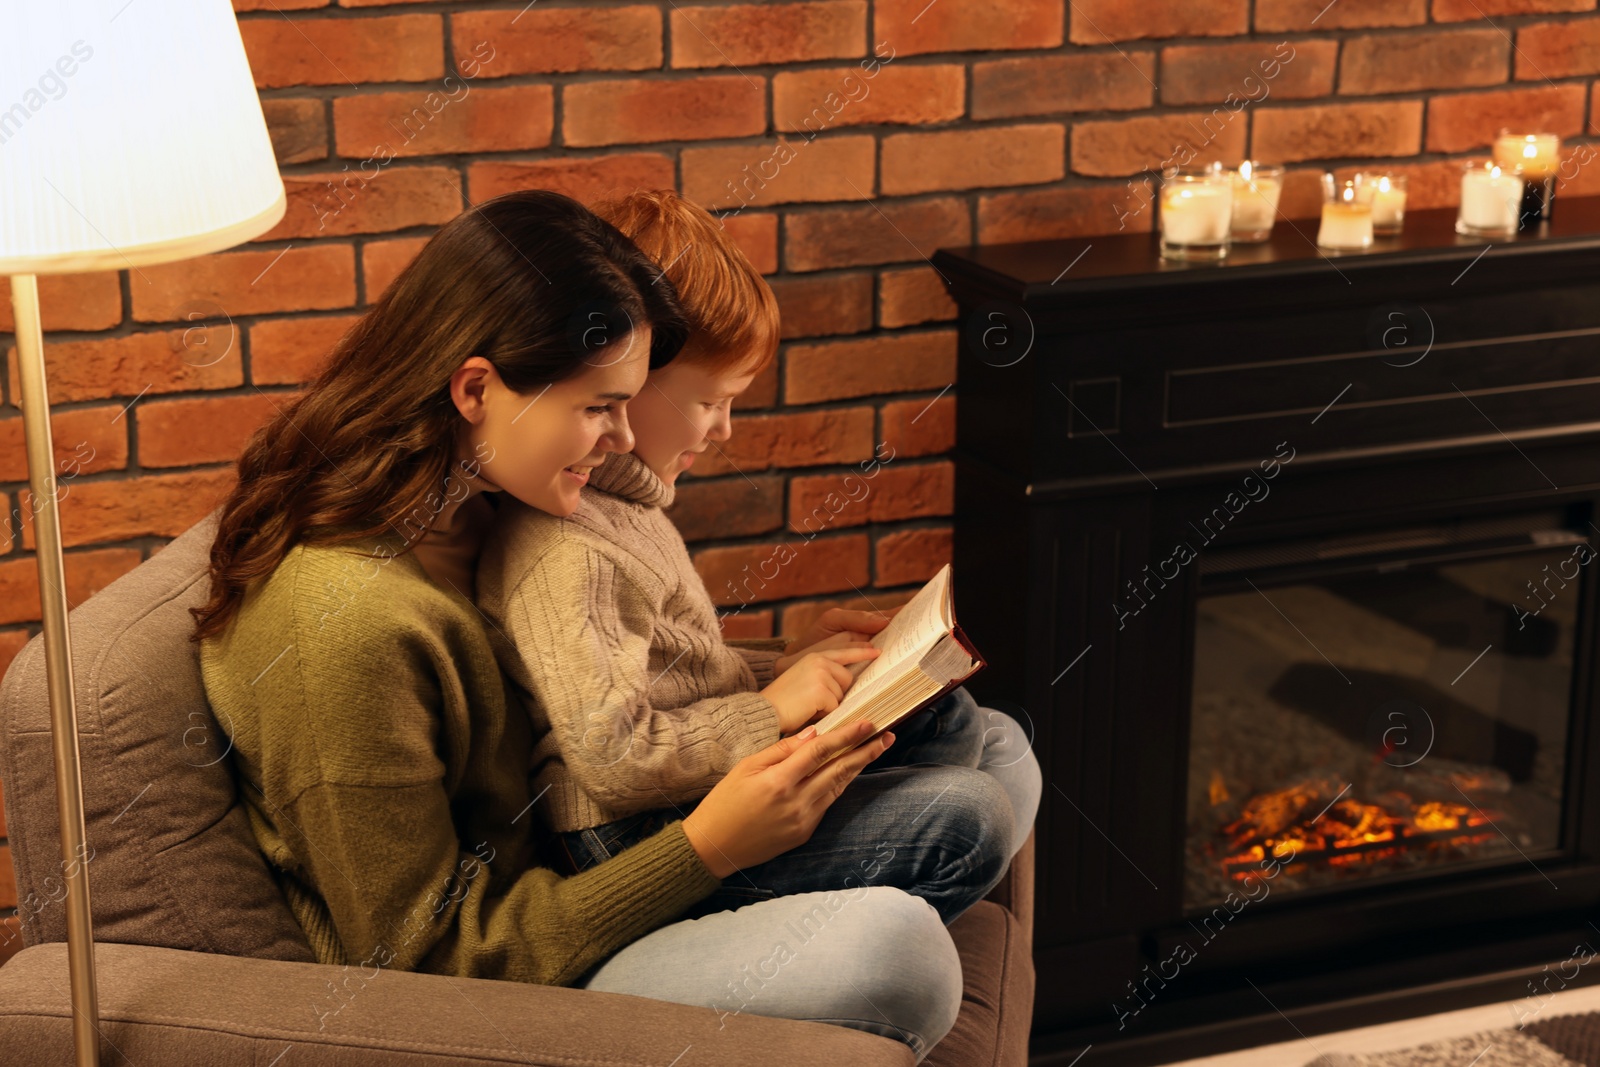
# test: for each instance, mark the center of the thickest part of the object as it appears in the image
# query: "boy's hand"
(814, 685)
(838, 628)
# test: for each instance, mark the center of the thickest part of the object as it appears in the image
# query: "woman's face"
(540, 446)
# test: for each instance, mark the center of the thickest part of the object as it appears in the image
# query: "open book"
(925, 655)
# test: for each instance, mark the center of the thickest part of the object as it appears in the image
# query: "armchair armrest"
(181, 1008)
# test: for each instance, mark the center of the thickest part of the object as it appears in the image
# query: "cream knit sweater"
(616, 652)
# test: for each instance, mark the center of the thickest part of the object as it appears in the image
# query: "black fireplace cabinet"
(1274, 521)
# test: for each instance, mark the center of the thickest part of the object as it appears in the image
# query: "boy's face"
(680, 411)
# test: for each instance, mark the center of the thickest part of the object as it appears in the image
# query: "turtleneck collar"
(625, 475)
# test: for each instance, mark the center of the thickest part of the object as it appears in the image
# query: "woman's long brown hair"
(532, 281)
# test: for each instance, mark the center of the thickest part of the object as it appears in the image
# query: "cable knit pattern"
(635, 699)
(384, 777)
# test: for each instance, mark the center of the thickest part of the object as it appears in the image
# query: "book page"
(909, 635)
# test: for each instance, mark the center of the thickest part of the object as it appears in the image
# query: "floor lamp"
(130, 134)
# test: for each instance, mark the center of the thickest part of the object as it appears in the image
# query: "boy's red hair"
(732, 314)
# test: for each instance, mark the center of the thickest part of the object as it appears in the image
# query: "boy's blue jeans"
(939, 815)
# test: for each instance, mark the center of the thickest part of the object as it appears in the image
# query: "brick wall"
(844, 139)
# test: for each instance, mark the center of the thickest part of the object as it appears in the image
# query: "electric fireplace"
(1286, 565)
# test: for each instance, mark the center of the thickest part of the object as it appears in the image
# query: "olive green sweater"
(388, 787)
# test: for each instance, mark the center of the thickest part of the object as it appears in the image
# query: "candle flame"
(1383, 183)
(1244, 170)
(1530, 150)
(1349, 194)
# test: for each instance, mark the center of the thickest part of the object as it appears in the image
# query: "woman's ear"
(468, 386)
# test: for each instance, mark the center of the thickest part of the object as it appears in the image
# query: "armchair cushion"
(171, 858)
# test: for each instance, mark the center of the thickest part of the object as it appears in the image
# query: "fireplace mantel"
(1107, 400)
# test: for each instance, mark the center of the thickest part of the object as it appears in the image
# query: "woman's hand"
(838, 628)
(772, 800)
(815, 684)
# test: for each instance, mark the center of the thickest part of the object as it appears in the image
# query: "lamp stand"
(58, 666)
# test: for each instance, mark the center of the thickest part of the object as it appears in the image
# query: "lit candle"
(1538, 154)
(1346, 220)
(1256, 189)
(1389, 204)
(1490, 200)
(1196, 214)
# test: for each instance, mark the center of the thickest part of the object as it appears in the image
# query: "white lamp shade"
(130, 133)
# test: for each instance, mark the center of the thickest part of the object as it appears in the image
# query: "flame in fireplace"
(1293, 822)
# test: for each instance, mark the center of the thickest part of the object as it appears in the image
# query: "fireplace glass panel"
(1380, 723)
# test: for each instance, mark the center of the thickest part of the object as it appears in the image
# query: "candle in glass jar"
(1538, 154)
(1256, 190)
(1196, 214)
(1388, 204)
(1346, 221)
(1490, 200)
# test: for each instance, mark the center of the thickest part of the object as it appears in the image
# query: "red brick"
(1052, 84)
(920, 427)
(2, 822)
(83, 440)
(333, 51)
(1099, 21)
(1335, 131)
(278, 5)
(154, 505)
(746, 624)
(907, 556)
(87, 573)
(886, 363)
(293, 351)
(761, 573)
(381, 126)
(915, 27)
(756, 234)
(11, 643)
(1558, 49)
(1461, 122)
(892, 492)
(588, 179)
(704, 509)
(789, 171)
(1302, 197)
(763, 391)
(1118, 147)
(810, 101)
(798, 619)
(869, 234)
(813, 305)
(1255, 71)
(911, 296)
(1077, 211)
(1580, 172)
(255, 282)
(1471, 10)
(298, 127)
(1274, 15)
(212, 429)
(793, 439)
(972, 159)
(1407, 62)
(367, 199)
(684, 109)
(70, 301)
(550, 40)
(161, 361)
(8, 879)
(744, 35)
(382, 262)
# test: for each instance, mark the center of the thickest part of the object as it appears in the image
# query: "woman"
(384, 778)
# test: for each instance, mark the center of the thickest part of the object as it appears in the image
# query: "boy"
(638, 703)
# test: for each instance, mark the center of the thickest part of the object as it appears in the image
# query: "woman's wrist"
(709, 854)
